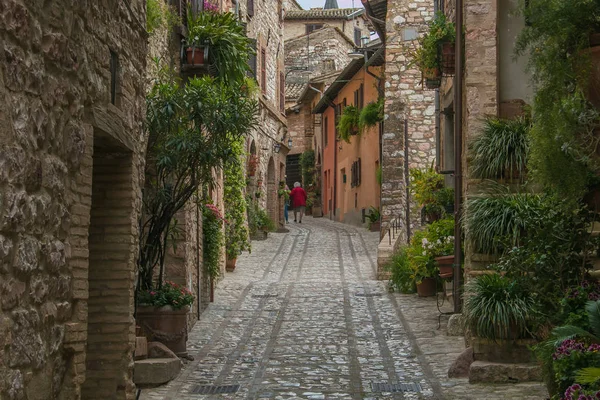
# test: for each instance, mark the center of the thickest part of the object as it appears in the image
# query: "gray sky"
(308, 4)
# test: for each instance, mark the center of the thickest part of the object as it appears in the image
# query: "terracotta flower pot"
(432, 77)
(446, 266)
(195, 56)
(427, 287)
(375, 226)
(230, 264)
(165, 325)
(448, 58)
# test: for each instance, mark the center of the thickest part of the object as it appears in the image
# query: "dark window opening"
(313, 27)
(252, 59)
(114, 74)
(263, 70)
(250, 8)
(357, 33)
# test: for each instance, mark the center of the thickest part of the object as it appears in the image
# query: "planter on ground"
(259, 235)
(230, 264)
(427, 287)
(376, 226)
(317, 212)
(165, 325)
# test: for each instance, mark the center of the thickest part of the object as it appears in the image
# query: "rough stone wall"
(481, 88)
(58, 132)
(323, 51)
(405, 100)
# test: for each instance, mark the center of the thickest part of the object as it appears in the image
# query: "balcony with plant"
(428, 56)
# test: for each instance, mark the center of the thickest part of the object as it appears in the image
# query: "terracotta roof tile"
(336, 13)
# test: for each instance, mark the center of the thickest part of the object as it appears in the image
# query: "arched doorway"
(272, 203)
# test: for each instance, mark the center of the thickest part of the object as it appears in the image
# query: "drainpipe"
(436, 8)
(322, 158)
(458, 172)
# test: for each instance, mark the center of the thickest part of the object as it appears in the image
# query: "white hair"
(296, 184)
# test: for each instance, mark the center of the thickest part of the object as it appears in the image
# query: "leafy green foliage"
(307, 164)
(236, 239)
(497, 219)
(500, 151)
(229, 47)
(212, 234)
(562, 140)
(551, 251)
(571, 352)
(429, 191)
(401, 278)
(170, 294)
(427, 55)
(370, 115)
(258, 218)
(498, 307)
(348, 123)
(159, 15)
(434, 240)
(191, 130)
(374, 215)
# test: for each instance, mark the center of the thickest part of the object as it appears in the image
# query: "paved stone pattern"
(302, 317)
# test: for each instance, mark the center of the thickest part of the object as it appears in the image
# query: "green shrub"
(427, 55)
(430, 193)
(501, 150)
(212, 234)
(401, 278)
(169, 294)
(498, 308)
(348, 123)
(373, 216)
(236, 238)
(307, 164)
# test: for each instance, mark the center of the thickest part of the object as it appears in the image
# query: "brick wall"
(55, 81)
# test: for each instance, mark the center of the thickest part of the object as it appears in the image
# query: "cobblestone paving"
(302, 318)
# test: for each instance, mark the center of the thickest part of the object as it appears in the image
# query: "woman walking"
(298, 199)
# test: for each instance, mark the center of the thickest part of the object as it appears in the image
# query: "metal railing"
(393, 229)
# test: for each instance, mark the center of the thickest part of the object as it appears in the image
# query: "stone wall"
(407, 106)
(297, 27)
(59, 134)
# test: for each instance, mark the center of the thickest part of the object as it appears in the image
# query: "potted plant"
(221, 39)
(432, 241)
(236, 232)
(374, 219)
(436, 200)
(427, 56)
(259, 223)
(162, 315)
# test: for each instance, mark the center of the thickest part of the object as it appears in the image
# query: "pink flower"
(152, 293)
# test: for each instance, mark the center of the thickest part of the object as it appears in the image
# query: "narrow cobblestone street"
(302, 317)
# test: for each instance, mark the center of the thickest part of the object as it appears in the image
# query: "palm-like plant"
(500, 151)
(562, 333)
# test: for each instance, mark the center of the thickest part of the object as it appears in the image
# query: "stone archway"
(272, 203)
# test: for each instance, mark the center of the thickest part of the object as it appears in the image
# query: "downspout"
(322, 139)
(458, 173)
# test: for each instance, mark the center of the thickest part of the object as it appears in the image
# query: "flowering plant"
(170, 294)
(209, 6)
(576, 392)
(435, 240)
(573, 303)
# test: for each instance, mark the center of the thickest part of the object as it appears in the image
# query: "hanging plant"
(371, 115)
(348, 123)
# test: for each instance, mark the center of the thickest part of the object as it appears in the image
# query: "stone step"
(155, 371)
(141, 347)
(490, 372)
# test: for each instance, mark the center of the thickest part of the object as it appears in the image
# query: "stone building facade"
(71, 171)
(351, 21)
(409, 129)
(268, 142)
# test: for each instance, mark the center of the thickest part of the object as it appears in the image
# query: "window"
(313, 27)
(355, 172)
(281, 92)
(250, 8)
(114, 75)
(252, 60)
(325, 129)
(357, 34)
(359, 97)
(263, 70)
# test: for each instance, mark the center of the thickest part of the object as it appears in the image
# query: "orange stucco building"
(349, 170)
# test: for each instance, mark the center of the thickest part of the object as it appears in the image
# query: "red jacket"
(298, 197)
